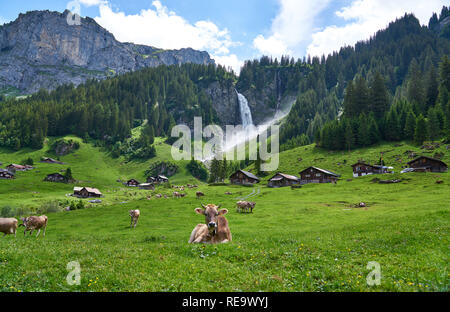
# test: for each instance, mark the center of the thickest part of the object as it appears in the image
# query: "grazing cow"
(176, 194)
(34, 223)
(244, 206)
(183, 195)
(8, 226)
(200, 194)
(215, 230)
(158, 196)
(228, 193)
(134, 214)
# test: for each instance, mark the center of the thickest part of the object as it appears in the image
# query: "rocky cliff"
(41, 50)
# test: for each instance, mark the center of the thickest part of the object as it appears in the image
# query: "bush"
(198, 170)
(29, 161)
(7, 212)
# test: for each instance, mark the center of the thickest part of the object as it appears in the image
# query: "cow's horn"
(204, 206)
(219, 206)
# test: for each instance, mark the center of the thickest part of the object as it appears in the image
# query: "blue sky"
(235, 30)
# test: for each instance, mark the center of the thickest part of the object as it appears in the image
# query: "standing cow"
(134, 214)
(34, 223)
(199, 194)
(8, 226)
(245, 206)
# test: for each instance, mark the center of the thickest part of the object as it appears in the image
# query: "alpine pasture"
(307, 239)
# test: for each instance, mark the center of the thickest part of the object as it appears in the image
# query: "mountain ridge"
(41, 50)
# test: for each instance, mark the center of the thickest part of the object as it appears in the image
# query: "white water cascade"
(246, 114)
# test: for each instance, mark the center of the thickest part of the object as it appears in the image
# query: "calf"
(177, 194)
(8, 226)
(215, 230)
(134, 214)
(199, 194)
(34, 223)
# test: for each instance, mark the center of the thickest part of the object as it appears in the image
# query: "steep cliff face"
(225, 102)
(41, 50)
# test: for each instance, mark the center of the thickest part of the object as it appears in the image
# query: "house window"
(308, 175)
(317, 174)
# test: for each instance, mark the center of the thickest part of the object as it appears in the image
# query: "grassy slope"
(309, 239)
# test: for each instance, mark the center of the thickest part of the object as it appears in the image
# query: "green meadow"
(307, 239)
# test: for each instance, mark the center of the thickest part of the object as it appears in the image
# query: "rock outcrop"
(40, 49)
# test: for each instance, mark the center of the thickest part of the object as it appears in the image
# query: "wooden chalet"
(55, 177)
(86, 192)
(362, 169)
(48, 160)
(242, 177)
(147, 186)
(428, 164)
(283, 180)
(317, 175)
(133, 182)
(6, 174)
(158, 179)
(16, 167)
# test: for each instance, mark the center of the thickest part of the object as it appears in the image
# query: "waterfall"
(246, 114)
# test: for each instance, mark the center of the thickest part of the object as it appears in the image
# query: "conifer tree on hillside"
(420, 133)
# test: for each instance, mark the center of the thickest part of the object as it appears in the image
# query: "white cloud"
(231, 60)
(365, 18)
(89, 3)
(291, 29)
(162, 28)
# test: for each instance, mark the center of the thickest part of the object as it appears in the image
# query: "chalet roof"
(55, 174)
(17, 166)
(7, 171)
(323, 171)
(248, 174)
(287, 176)
(429, 158)
(89, 189)
(133, 180)
(163, 177)
(146, 184)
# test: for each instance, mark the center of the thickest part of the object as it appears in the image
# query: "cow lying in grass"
(34, 223)
(215, 230)
(134, 214)
(8, 226)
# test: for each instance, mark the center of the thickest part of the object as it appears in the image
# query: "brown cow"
(215, 230)
(176, 194)
(134, 214)
(34, 223)
(245, 206)
(199, 194)
(8, 226)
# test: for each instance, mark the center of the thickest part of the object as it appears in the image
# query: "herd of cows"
(215, 230)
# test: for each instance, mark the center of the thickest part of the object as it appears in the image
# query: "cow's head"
(132, 212)
(211, 213)
(24, 221)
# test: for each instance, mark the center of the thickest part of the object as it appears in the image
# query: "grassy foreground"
(309, 239)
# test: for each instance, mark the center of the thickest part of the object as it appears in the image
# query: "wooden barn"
(133, 182)
(15, 167)
(242, 177)
(55, 177)
(86, 192)
(147, 186)
(361, 169)
(5, 174)
(158, 179)
(317, 175)
(48, 160)
(283, 180)
(428, 164)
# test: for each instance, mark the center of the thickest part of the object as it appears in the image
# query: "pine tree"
(349, 136)
(420, 133)
(410, 125)
(432, 88)
(433, 125)
(379, 96)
